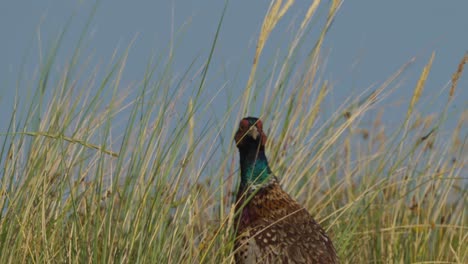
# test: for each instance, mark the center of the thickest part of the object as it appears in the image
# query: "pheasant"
(271, 226)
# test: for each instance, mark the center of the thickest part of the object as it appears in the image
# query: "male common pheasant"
(272, 227)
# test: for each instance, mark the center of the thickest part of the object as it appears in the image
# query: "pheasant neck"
(254, 167)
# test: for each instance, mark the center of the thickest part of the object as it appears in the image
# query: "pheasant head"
(250, 140)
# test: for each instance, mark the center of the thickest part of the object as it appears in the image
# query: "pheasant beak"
(253, 132)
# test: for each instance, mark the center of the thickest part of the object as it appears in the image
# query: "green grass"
(161, 190)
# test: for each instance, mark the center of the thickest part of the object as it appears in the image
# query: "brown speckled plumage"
(272, 227)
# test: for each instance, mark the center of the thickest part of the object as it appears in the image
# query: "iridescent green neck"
(254, 167)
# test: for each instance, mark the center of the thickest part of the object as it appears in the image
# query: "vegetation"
(162, 190)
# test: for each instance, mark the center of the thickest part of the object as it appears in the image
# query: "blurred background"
(368, 42)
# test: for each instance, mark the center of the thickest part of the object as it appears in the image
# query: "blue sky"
(368, 42)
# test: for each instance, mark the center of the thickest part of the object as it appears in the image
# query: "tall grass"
(162, 190)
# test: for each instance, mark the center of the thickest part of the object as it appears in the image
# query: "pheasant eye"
(244, 124)
(259, 125)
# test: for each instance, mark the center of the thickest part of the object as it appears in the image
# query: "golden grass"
(420, 85)
(457, 75)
